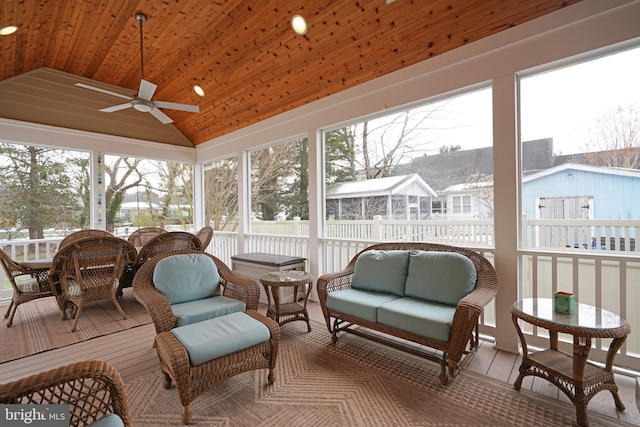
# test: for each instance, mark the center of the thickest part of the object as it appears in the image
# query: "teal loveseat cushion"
(109, 420)
(205, 309)
(214, 338)
(442, 277)
(359, 303)
(424, 318)
(381, 271)
(186, 277)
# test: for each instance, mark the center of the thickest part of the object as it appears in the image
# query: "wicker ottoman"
(194, 379)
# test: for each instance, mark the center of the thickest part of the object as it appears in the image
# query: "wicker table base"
(571, 373)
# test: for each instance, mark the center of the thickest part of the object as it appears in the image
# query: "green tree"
(123, 173)
(177, 187)
(36, 188)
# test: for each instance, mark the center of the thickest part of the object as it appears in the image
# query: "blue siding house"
(573, 191)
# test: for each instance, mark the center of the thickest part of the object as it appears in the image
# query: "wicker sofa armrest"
(92, 389)
(332, 282)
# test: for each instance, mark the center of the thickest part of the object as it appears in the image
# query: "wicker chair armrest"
(239, 287)
(98, 387)
(158, 307)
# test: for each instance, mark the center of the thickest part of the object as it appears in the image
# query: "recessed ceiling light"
(299, 25)
(9, 29)
(198, 89)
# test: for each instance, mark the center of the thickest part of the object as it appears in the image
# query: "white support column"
(97, 210)
(506, 182)
(315, 262)
(244, 200)
(199, 219)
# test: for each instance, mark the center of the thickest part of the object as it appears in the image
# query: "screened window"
(147, 193)
(280, 189)
(403, 166)
(581, 154)
(44, 192)
(221, 194)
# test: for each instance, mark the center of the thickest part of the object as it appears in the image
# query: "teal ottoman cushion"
(214, 338)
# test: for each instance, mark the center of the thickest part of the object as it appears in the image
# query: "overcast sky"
(563, 104)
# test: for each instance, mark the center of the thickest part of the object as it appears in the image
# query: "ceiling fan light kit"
(142, 101)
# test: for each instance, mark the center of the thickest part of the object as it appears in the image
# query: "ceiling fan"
(142, 101)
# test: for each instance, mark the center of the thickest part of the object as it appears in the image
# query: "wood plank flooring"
(132, 354)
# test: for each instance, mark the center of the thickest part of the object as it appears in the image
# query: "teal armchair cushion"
(442, 277)
(381, 271)
(109, 420)
(205, 309)
(186, 277)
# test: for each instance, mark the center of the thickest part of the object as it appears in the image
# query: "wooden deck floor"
(134, 355)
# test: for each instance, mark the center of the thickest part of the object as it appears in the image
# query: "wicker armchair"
(158, 305)
(78, 235)
(88, 271)
(205, 234)
(462, 340)
(92, 389)
(167, 242)
(26, 285)
(141, 236)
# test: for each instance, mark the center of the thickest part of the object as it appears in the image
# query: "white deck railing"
(558, 256)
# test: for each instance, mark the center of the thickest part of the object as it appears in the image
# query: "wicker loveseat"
(430, 294)
(187, 289)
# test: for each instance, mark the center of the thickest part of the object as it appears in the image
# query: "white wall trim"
(52, 136)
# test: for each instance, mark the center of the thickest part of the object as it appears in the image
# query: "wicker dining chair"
(26, 285)
(167, 242)
(81, 234)
(205, 234)
(89, 272)
(141, 236)
(93, 389)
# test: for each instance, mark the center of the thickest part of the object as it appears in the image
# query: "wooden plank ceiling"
(244, 54)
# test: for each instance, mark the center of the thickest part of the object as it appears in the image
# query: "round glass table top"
(584, 316)
(286, 277)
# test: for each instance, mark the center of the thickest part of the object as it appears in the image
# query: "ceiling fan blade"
(116, 108)
(107, 92)
(176, 106)
(147, 89)
(161, 116)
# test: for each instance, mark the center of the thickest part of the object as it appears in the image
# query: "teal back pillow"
(381, 271)
(442, 277)
(186, 277)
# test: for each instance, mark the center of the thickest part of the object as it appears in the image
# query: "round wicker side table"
(285, 312)
(571, 373)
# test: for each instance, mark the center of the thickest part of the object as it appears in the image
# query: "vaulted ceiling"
(244, 55)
